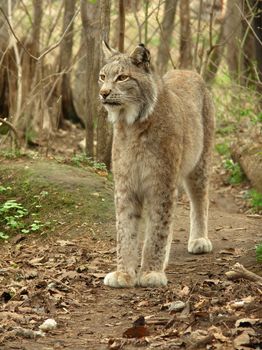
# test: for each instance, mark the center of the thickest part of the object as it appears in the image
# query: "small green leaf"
(3, 236)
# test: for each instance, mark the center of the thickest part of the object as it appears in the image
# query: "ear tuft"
(140, 55)
(107, 50)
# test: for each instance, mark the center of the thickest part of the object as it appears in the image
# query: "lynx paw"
(119, 279)
(152, 279)
(199, 245)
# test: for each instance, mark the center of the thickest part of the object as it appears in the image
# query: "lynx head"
(128, 90)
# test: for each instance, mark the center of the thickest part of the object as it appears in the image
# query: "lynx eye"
(122, 77)
(102, 77)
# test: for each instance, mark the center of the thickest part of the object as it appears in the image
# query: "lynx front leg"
(128, 214)
(197, 188)
(157, 241)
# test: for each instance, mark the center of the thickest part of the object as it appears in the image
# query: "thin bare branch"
(250, 26)
(11, 126)
(51, 48)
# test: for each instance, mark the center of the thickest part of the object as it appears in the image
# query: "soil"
(59, 274)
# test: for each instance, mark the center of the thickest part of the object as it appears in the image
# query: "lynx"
(162, 138)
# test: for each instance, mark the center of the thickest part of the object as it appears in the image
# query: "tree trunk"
(121, 17)
(257, 24)
(167, 27)
(185, 60)
(4, 41)
(90, 11)
(31, 117)
(68, 109)
(104, 129)
(234, 35)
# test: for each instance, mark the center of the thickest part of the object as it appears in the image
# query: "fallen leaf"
(29, 333)
(247, 322)
(184, 292)
(139, 322)
(228, 251)
(143, 303)
(6, 296)
(241, 339)
(99, 275)
(136, 332)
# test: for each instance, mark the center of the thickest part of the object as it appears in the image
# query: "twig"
(239, 271)
(250, 26)
(11, 126)
(66, 285)
(158, 322)
(139, 26)
(52, 47)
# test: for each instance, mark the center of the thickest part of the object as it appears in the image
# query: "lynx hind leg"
(197, 188)
(197, 185)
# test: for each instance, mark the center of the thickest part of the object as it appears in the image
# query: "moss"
(58, 192)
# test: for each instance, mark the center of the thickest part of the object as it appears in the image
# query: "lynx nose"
(105, 93)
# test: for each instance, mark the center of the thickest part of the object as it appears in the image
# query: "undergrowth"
(16, 218)
(259, 253)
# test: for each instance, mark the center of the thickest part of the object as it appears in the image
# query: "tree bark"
(186, 58)
(234, 35)
(4, 41)
(167, 27)
(104, 129)
(257, 24)
(121, 18)
(68, 109)
(90, 11)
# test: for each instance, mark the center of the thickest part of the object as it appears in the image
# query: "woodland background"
(57, 219)
(51, 56)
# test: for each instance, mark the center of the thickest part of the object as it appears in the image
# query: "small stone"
(176, 306)
(48, 325)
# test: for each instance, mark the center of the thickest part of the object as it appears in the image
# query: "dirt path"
(60, 276)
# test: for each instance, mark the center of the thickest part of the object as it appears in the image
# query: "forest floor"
(59, 274)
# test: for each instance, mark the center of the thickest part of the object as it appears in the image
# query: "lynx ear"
(107, 50)
(140, 55)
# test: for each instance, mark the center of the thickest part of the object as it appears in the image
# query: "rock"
(247, 152)
(48, 325)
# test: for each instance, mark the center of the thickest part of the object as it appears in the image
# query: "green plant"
(11, 154)
(222, 149)
(236, 175)
(225, 130)
(3, 236)
(257, 119)
(14, 217)
(11, 213)
(259, 253)
(4, 189)
(82, 159)
(35, 226)
(255, 199)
